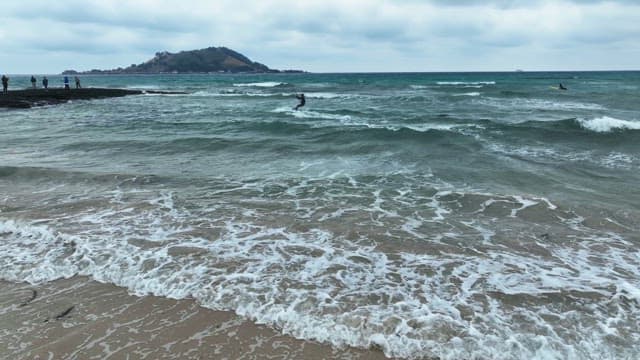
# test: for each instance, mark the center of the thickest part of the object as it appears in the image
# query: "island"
(207, 61)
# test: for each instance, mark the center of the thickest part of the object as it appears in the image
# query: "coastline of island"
(211, 60)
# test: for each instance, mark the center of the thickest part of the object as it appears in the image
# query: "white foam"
(474, 93)
(471, 83)
(143, 87)
(610, 160)
(460, 128)
(230, 93)
(161, 94)
(326, 95)
(537, 104)
(309, 114)
(428, 127)
(619, 160)
(525, 203)
(317, 284)
(260, 84)
(608, 124)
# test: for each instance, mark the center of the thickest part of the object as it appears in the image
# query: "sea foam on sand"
(79, 318)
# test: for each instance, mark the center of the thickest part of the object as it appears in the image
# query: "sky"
(48, 37)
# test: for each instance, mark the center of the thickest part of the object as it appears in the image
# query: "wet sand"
(82, 319)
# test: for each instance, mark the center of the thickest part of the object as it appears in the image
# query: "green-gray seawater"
(458, 215)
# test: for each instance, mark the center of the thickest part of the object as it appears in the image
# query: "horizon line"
(339, 72)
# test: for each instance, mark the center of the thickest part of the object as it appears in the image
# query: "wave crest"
(456, 83)
(261, 84)
(607, 124)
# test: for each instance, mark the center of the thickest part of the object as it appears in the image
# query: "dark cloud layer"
(326, 35)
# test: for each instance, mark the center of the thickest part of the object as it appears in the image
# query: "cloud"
(327, 35)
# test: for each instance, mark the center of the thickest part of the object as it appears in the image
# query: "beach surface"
(79, 318)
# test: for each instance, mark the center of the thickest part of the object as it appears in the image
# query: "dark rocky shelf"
(24, 99)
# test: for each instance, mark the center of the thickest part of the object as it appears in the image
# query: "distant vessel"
(519, 70)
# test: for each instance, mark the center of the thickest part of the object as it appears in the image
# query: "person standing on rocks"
(5, 84)
(33, 82)
(45, 82)
(66, 83)
(77, 82)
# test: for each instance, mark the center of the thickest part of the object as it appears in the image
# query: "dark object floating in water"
(24, 99)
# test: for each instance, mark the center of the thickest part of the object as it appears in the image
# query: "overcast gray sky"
(46, 36)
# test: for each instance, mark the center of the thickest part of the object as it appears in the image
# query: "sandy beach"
(82, 319)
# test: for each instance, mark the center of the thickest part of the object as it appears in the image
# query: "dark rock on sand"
(34, 294)
(63, 314)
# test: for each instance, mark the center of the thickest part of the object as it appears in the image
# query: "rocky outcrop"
(209, 60)
(24, 99)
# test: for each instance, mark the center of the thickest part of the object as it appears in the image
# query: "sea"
(428, 215)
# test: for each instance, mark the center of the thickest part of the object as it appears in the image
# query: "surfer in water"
(302, 101)
(561, 87)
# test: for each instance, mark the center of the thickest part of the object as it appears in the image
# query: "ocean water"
(459, 216)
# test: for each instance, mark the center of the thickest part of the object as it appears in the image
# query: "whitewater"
(452, 216)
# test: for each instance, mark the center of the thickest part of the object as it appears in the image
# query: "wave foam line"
(475, 93)
(307, 114)
(608, 124)
(260, 84)
(466, 83)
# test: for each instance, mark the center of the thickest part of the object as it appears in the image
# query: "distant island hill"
(209, 60)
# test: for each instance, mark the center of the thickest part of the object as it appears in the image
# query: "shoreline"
(82, 318)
